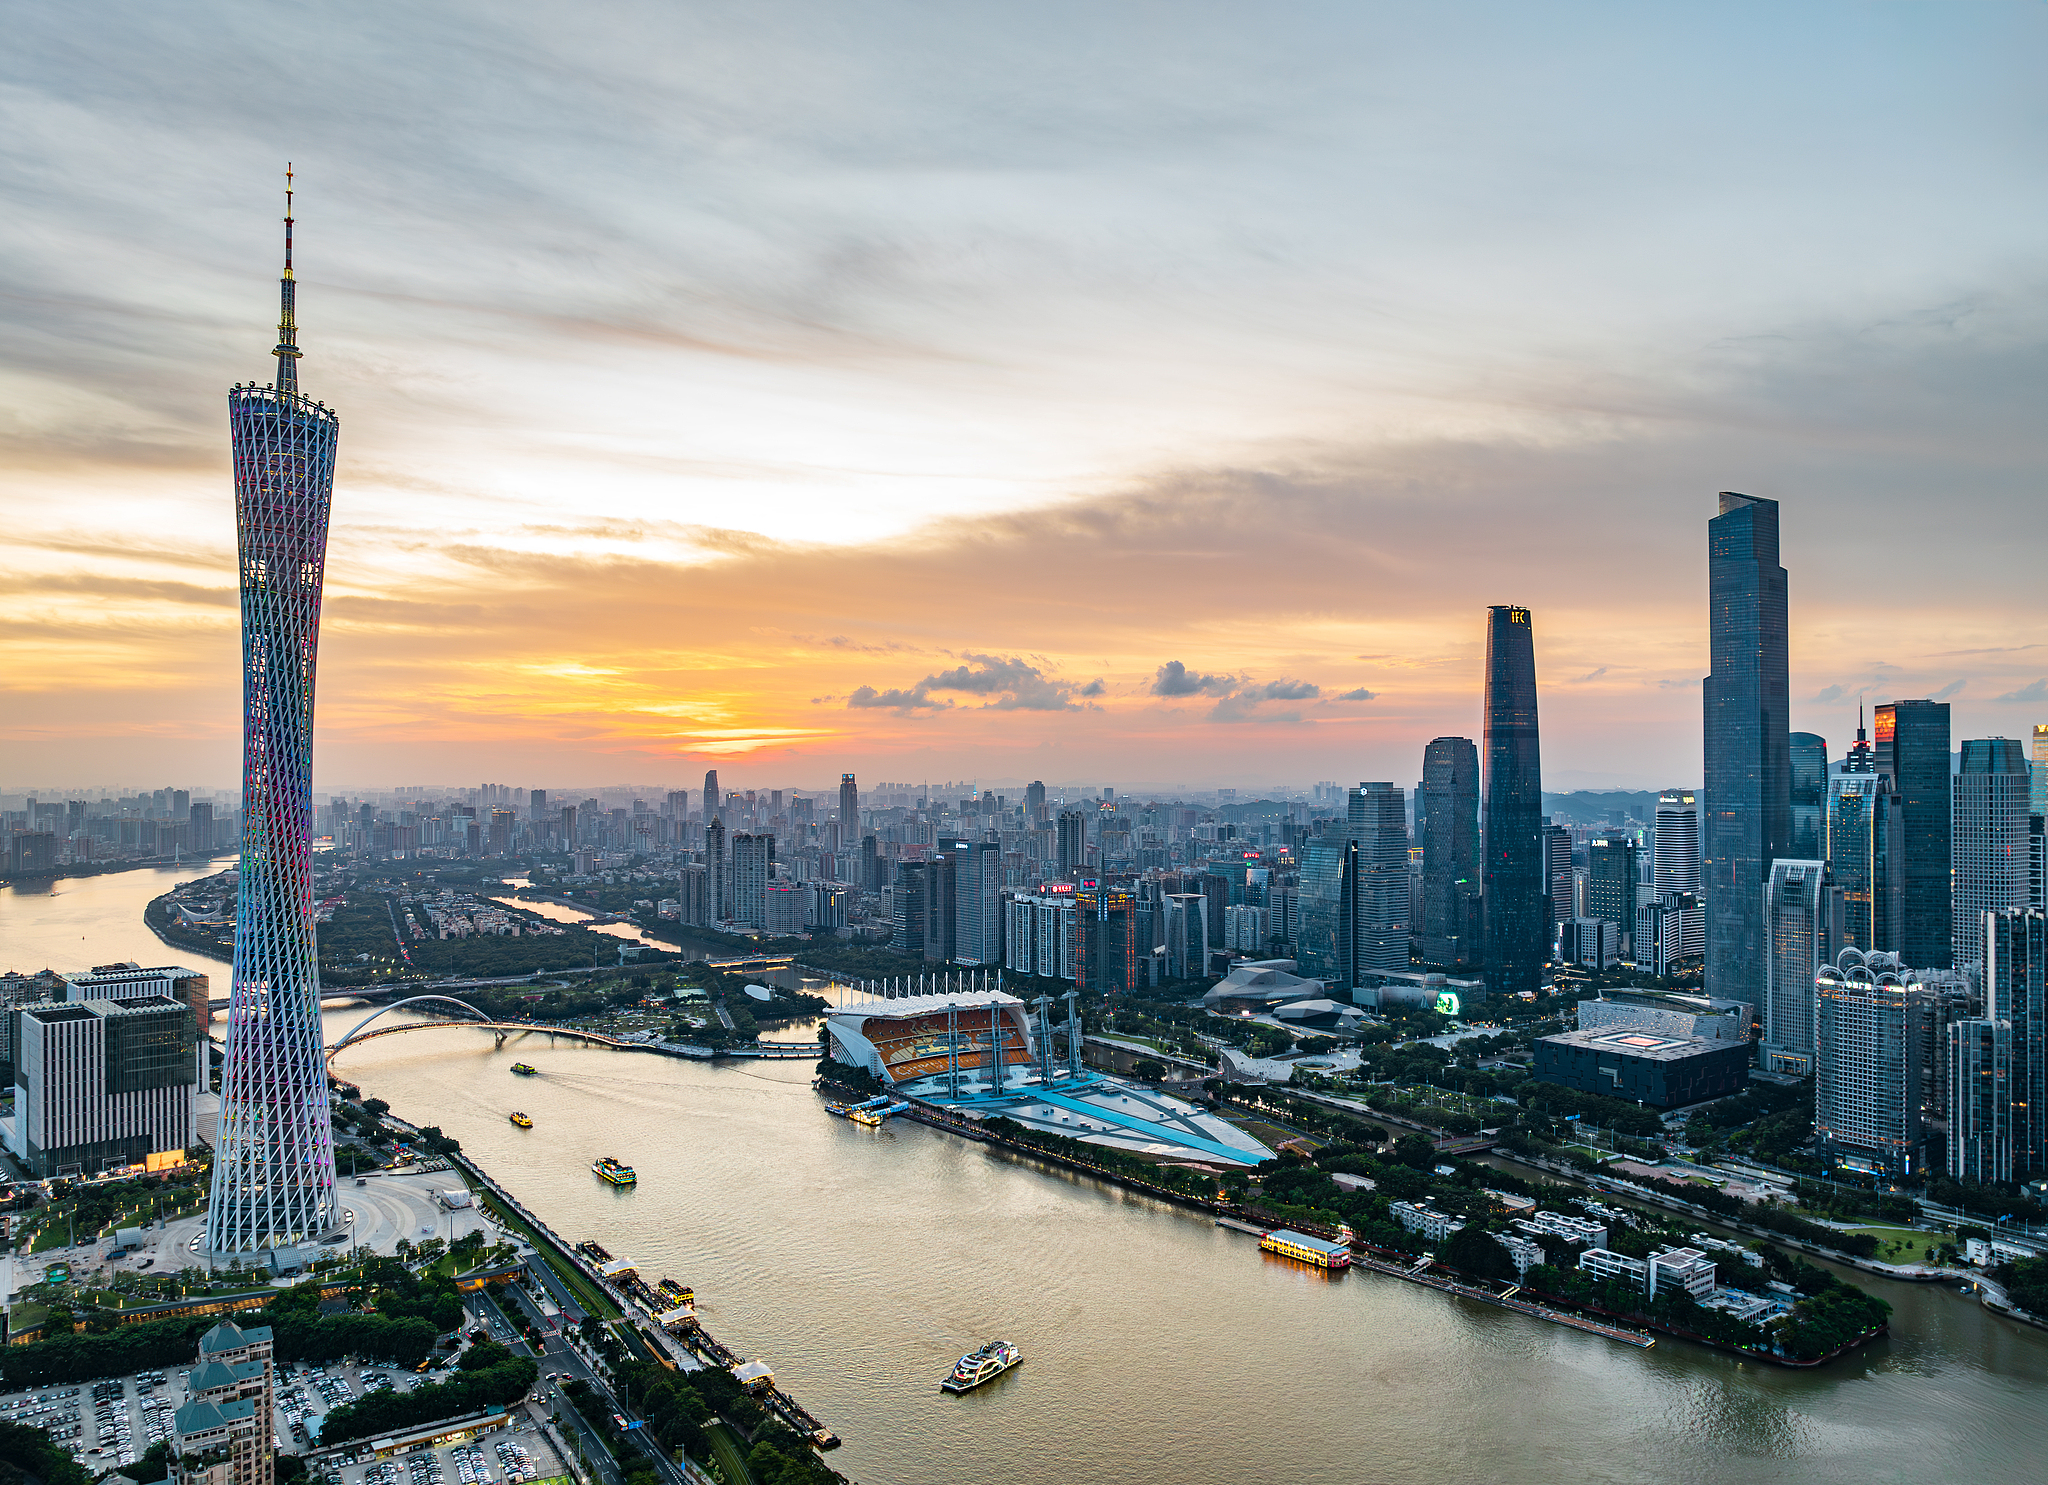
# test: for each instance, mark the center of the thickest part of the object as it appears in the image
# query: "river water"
(859, 1263)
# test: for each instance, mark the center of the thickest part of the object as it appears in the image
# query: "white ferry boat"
(985, 1365)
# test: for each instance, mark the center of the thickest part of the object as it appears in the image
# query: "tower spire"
(287, 350)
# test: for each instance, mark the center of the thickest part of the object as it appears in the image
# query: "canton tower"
(273, 1170)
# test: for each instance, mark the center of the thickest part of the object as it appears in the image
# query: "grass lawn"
(1913, 1244)
(732, 1459)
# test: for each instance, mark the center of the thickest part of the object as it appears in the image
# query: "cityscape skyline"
(694, 462)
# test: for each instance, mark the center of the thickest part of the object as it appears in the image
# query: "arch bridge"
(480, 1020)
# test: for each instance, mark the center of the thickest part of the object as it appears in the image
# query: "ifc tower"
(273, 1169)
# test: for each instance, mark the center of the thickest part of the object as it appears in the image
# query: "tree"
(1416, 1151)
(1148, 1070)
(1475, 1251)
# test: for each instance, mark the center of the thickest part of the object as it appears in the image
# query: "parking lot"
(506, 1456)
(107, 1423)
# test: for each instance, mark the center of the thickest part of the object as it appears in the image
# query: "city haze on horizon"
(981, 398)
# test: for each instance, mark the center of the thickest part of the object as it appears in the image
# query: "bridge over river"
(480, 1021)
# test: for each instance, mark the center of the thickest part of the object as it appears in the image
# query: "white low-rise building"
(1682, 1268)
(1604, 1264)
(1571, 1229)
(1432, 1224)
(1525, 1253)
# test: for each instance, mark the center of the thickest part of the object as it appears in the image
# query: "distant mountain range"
(1594, 806)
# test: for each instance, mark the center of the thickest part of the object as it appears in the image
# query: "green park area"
(1905, 1244)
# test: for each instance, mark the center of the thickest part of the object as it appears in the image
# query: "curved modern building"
(273, 1170)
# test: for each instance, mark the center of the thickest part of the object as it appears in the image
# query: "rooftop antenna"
(287, 350)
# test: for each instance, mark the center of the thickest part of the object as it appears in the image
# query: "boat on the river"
(607, 1169)
(521, 1120)
(524, 1069)
(984, 1365)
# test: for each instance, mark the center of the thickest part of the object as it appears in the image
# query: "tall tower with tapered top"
(273, 1168)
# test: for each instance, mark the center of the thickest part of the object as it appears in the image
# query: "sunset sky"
(1134, 394)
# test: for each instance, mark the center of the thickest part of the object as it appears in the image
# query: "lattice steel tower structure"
(273, 1169)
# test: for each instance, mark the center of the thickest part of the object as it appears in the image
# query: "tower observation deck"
(273, 1171)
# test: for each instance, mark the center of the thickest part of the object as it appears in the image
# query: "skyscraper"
(849, 810)
(1866, 846)
(978, 902)
(1990, 839)
(1073, 842)
(710, 795)
(1803, 917)
(1379, 824)
(273, 1170)
(1867, 1074)
(1450, 929)
(1325, 944)
(1034, 801)
(1675, 860)
(752, 869)
(1517, 897)
(718, 872)
(1746, 703)
(1912, 746)
(2038, 796)
(1611, 881)
(1809, 754)
(2016, 991)
(1560, 879)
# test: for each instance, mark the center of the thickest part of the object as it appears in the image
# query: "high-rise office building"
(1379, 826)
(1809, 755)
(199, 829)
(273, 1168)
(102, 1083)
(2016, 992)
(1325, 943)
(2038, 794)
(537, 805)
(1561, 881)
(1990, 839)
(1184, 922)
(1867, 1052)
(1611, 881)
(978, 902)
(1866, 847)
(1675, 857)
(1451, 922)
(1803, 915)
(849, 808)
(753, 868)
(718, 872)
(711, 800)
(1912, 746)
(1517, 902)
(1073, 842)
(1746, 701)
(1108, 958)
(1980, 1099)
(1034, 801)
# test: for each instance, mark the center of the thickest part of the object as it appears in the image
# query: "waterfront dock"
(1420, 1274)
(1506, 1301)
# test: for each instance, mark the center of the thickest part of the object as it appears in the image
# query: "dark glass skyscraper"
(1747, 699)
(1450, 928)
(1809, 752)
(1511, 840)
(1912, 746)
(273, 1169)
